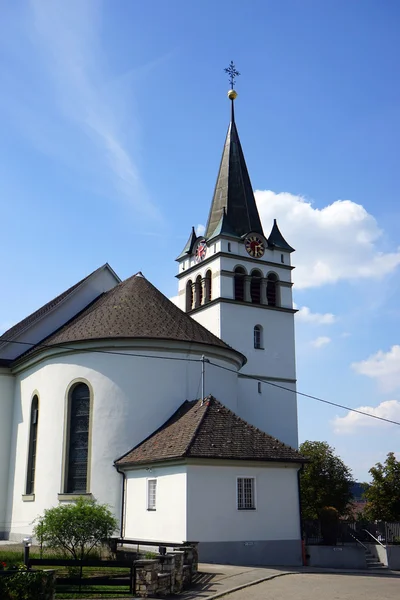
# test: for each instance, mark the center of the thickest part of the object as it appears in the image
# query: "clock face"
(201, 250)
(254, 246)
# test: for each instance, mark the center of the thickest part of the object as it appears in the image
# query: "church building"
(182, 417)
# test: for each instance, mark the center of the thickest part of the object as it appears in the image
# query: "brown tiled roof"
(133, 309)
(15, 330)
(209, 430)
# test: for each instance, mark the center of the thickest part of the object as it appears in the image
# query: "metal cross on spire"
(233, 73)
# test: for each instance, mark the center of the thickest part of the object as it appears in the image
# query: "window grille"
(30, 476)
(245, 493)
(151, 494)
(78, 446)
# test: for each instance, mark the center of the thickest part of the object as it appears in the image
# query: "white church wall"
(131, 398)
(99, 282)
(212, 504)
(274, 410)
(167, 523)
(7, 383)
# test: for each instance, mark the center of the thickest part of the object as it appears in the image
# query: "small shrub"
(27, 585)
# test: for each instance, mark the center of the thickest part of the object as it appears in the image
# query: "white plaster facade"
(198, 502)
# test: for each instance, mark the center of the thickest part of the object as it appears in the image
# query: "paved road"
(323, 586)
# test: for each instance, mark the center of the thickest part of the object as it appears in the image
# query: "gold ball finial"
(232, 95)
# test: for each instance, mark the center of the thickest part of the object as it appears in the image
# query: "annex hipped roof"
(208, 430)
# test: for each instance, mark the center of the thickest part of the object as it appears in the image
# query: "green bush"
(27, 585)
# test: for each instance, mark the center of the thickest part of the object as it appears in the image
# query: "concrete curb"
(249, 584)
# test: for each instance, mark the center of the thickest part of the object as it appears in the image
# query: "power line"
(199, 360)
(282, 387)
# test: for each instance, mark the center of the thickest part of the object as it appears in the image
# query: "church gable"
(53, 315)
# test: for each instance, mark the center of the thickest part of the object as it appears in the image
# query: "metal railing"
(374, 538)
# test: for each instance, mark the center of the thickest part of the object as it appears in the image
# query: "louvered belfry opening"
(78, 450)
(255, 287)
(272, 289)
(239, 283)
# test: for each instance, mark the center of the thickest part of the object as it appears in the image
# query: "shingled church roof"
(208, 430)
(133, 309)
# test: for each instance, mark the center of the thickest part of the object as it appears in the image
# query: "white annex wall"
(168, 522)
(132, 397)
(212, 509)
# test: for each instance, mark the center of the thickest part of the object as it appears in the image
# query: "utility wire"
(282, 387)
(199, 360)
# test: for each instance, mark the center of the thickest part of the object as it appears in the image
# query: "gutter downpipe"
(303, 547)
(122, 525)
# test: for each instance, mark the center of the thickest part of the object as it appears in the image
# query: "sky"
(113, 116)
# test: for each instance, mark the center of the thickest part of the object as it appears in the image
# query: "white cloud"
(321, 341)
(337, 242)
(67, 49)
(305, 315)
(200, 229)
(390, 409)
(382, 366)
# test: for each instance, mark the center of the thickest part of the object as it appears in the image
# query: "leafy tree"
(325, 481)
(383, 494)
(76, 528)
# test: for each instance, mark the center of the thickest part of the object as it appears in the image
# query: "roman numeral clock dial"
(254, 246)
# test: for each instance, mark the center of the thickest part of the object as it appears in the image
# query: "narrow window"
(30, 477)
(259, 387)
(229, 246)
(189, 295)
(78, 439)
(272, 289)
(245, 493)
(255, 287)
(258, 330)
(208, 284)
(239, 283)
(151, 494)
(282, 258)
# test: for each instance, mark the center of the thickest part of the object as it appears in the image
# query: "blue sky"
(113, 117)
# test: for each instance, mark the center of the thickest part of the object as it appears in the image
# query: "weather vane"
(232, 72)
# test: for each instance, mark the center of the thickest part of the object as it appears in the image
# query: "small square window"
(245, 493)
(151, 494)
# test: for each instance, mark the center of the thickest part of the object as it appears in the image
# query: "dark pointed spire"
(233, 190)
(189, 244)
(277, 240)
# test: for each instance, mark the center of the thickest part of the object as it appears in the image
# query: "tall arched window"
(78, 439)
(258, 337)
(239, 283)
(198, 291)
(272, 289)
(208, 286)
(189, 295)
(255, 287)
(30, 476)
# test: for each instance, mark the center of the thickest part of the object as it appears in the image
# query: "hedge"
(27, 585)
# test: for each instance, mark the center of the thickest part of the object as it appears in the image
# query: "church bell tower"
(236, 281)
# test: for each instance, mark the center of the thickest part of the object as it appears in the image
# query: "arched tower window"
(258, 337)
(78, 439)
(272, 289)
(255, 287)
(189, 295)
(239, 283)
(30, 476)
(199, 291)
(208, 284)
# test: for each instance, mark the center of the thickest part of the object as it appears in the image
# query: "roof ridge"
(205, 401)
